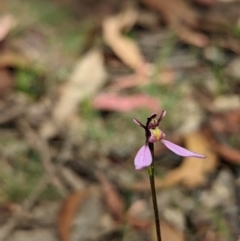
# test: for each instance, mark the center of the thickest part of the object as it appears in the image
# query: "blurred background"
(73, 75)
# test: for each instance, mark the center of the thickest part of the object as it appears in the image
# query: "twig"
(40, 145)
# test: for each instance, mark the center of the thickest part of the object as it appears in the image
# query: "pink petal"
(143, 158)
(138, 123)
(180, 150)
(164, 112)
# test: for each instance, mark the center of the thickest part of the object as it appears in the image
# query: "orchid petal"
(164, 112)
(143, 158)
(180, 150)
(138, 123)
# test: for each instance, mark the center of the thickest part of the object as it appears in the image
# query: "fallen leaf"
(126, 49)
(168, 232)
(228, 153)
(68, 211)
(7, 23)
(182, 18)
(112, 198)
(138, 215)
(115, 102)
(227, 42)
(148, 19)
(219, 126)
(213, 235)
(88, 76)
(14, 60)
(220, 122)
(192, 172)
(92, 220)
(166, 77)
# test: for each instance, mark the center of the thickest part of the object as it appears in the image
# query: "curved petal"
(143, 158)
(180, 150)
(138, 123)
(164, 112)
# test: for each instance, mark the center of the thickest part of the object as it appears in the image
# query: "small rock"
(222, 192)
(233, 69)
(175, 216)
(191, 115)
(215, 55)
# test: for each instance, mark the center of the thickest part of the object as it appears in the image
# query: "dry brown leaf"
(14, 60)
(114, 102)
(220, 122)
(112, 198)
(7, 23)
(138, 215)
(227, 42)
(168, 232)
(227, 152)
(123, 47)
(212, 235)
(148, 19)
(166, 77)
(192, 172)
(182, 18)
(68, 211)
(225, 124)
(88, 76)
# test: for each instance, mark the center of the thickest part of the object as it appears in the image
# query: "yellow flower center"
(156, 134)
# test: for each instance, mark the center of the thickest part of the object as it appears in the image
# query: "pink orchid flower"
(154, 134)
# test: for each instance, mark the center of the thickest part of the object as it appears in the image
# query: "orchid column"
(145, 156)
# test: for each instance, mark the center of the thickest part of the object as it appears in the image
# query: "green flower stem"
(153, 191)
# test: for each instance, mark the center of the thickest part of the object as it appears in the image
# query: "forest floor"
(74, 75)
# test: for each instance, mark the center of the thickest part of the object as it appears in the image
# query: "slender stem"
(153, 190)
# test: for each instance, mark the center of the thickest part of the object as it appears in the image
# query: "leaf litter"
(68, 212)
(91, 106)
